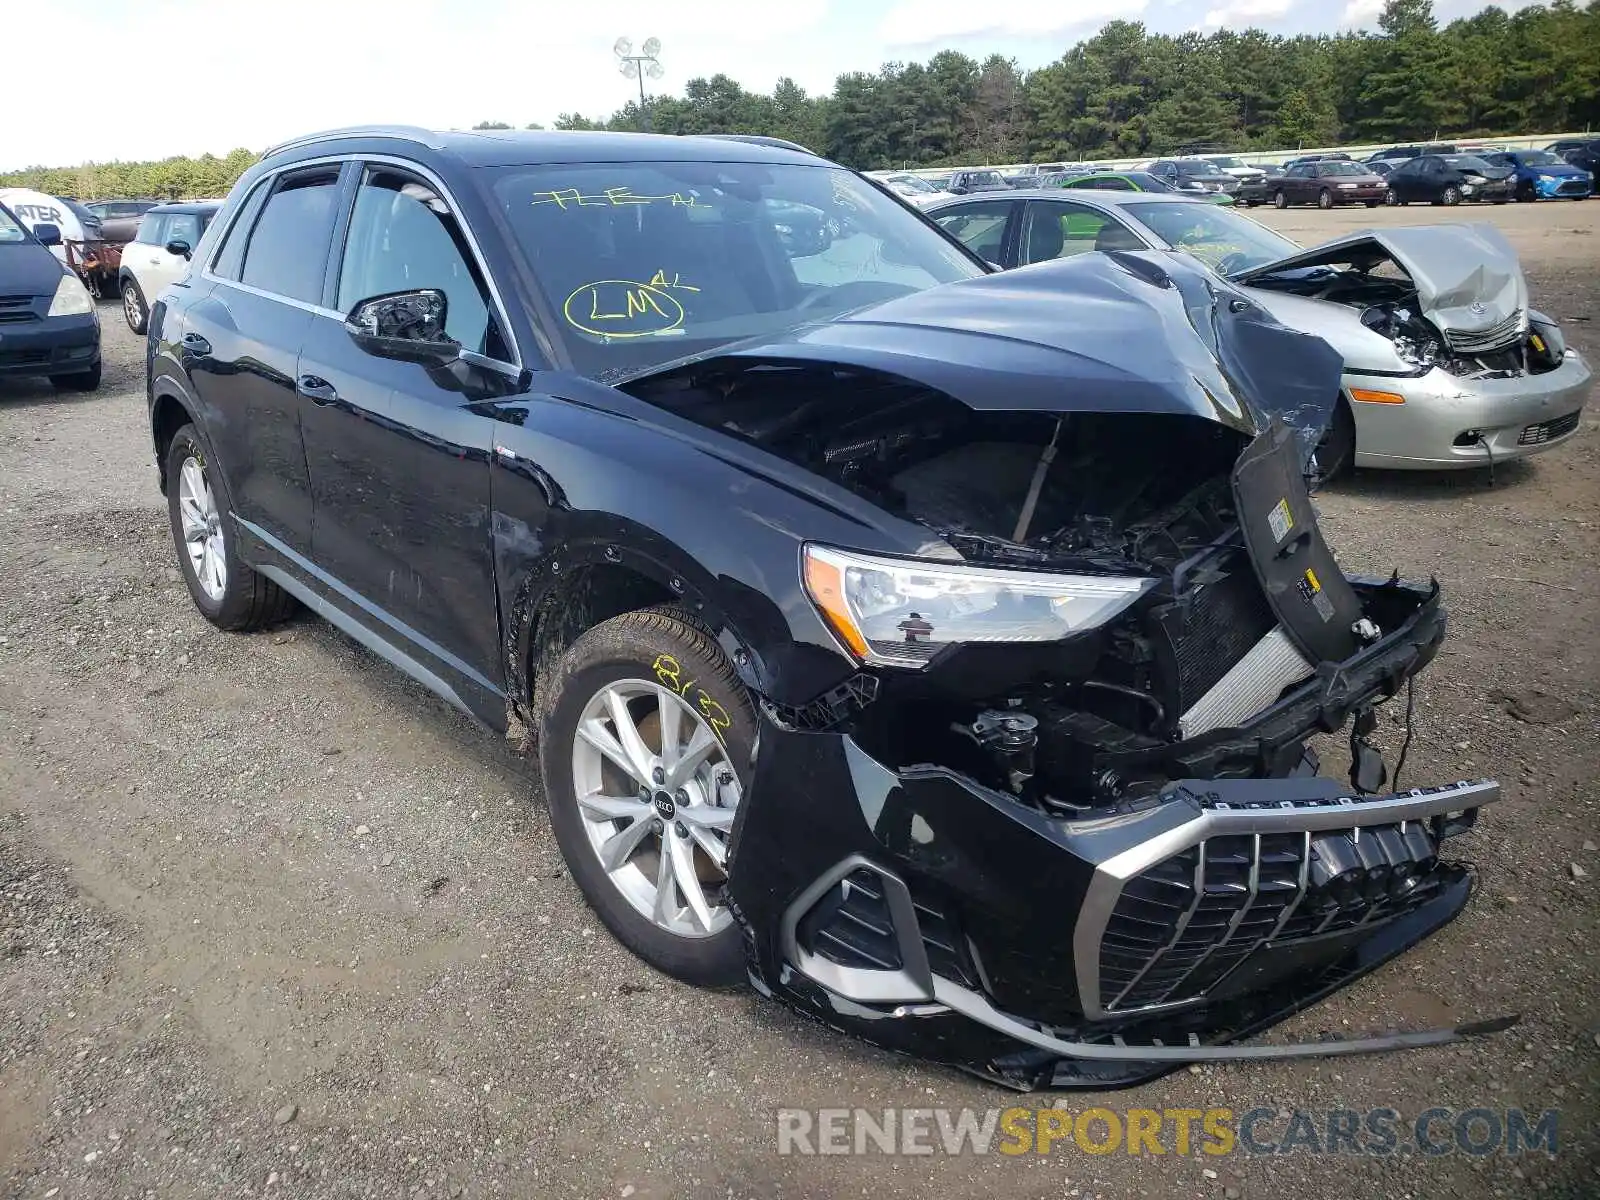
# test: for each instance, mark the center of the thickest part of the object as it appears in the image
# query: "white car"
(160, 255)
(913, 188)
(1229, 165)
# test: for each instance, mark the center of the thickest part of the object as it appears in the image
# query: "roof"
(511, 147)
(1062, 193)
(202, 207)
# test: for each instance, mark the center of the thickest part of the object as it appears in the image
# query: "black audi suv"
(936, 648)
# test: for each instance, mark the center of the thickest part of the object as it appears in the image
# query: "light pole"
(639, 66)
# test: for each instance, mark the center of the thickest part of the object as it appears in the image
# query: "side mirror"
(408, 326)
(179, 248)
(48, 234)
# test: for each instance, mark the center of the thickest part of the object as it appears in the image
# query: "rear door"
(242, 344)
(398, 462)
(983, 226)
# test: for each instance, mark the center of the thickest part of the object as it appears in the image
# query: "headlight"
(1547, 179)
(901, 612)
(71, 298)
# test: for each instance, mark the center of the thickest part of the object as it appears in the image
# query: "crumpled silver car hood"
(1467, 277)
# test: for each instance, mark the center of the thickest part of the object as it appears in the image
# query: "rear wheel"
(1525, 192)
(1279, 200)
(645, 748)
(134, 309)
(1451, 196)
(1324, 199)
(226, 591)
(1392, 199)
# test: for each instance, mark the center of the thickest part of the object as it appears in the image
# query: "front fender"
(1337, 324)
(588, 477)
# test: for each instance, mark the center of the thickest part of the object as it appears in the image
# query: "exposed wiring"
(1489, 450)
(1405, 744)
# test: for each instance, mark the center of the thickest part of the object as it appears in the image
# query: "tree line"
(1121, 93)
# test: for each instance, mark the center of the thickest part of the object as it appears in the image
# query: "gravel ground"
(275, 922)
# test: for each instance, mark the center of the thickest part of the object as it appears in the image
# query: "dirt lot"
(275, 922)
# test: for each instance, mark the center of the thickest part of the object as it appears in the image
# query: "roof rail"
(761, 139)
(409, 133)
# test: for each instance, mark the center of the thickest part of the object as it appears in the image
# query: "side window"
(1062, 230)
(225, 263)
(403, 237)
(287, 254)
(183, 227)
(981, 228)
(151, 229)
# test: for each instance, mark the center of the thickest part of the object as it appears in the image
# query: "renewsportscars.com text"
(1375, 1132)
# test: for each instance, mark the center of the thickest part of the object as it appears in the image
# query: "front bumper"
(40, 345)
(1451, 422)
(932, 915)
(1563, 187)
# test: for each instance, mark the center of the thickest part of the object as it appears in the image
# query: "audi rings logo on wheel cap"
(665, 808)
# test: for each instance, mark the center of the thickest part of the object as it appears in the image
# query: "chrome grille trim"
(1495, 337)
(1207, 821)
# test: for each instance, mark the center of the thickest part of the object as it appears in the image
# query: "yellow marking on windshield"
(613, 197)
(623, 308)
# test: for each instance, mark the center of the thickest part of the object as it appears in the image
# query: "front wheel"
(1337, 449)
(1324, 199)
(1279, 200)
(1451, 196)
(226, 591)
(78, 381)
(646, 744)
(1391, 199)
(1525, 192)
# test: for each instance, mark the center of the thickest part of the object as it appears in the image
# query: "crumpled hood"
(1467, 277)
(1146, 332)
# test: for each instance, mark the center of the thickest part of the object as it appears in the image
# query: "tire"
(1391, 199)
(1526, 193)
(1373, 203)
(1336, 451)
(1451, 196)
(1324, 199)
(1279, 200)
(78, 381)
(245, 600)
(649, 659)
(134, 309)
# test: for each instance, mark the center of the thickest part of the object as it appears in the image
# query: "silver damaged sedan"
(1445, 364)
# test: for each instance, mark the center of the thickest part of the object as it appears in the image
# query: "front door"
(399, 465)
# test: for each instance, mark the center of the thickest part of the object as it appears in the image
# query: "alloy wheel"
(657, 794)
(1390, 198)
(202, 529)
(1450, 195)
(132, 309)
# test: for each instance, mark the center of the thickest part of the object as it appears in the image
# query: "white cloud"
(930, 22)
(1236, 14)
(246, 74)
(1360, 14)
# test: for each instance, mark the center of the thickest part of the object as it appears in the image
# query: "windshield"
(642, 263)
(1148, 183)
(1541, 158)
(1218, 237)
(915, 184)
(10, 231)
(1196, 168)
(1469, 162)
(1344, 168)
(1223, 160)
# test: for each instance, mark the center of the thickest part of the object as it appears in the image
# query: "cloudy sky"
(210, 75)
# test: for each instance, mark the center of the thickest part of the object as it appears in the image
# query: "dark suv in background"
(726, 478)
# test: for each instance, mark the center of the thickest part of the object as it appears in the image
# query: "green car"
(1139, 181)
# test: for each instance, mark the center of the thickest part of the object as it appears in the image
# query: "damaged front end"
(1058, 822)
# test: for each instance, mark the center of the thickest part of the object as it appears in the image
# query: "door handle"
(196, 344)
(317, 389)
